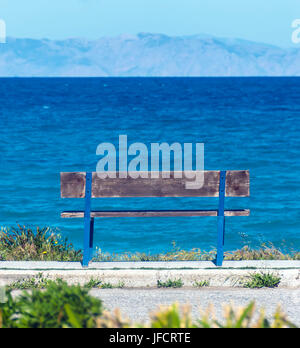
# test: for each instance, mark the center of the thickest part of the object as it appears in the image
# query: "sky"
(268, 21)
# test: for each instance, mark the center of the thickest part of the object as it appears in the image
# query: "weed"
(98, 284)
(37, 282)
(262, 280)
(43, 244)
(201, 284)
(177, 283)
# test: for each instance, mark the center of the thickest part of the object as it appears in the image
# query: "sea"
(53, 125)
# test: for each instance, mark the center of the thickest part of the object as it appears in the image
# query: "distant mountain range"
(146, 55)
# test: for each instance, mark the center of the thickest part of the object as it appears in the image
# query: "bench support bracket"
(88, 222)
(221, 219)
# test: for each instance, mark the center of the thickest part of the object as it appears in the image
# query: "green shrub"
(262, 280)
(59, 306)
(24, 244)
(177, 283)
(8, 312)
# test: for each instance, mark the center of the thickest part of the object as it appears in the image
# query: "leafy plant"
(262, 280)
(43, 244)
(38, 282)
(97, 283)
(119, 285)
(172, 318)
(177, 283)
(8, 312)
(201, 284)
(59, 306)
(93, 283)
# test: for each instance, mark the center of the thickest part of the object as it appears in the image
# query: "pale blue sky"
(258, 20)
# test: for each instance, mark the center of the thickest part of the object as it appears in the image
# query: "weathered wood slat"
(73, 186)
(154, 213)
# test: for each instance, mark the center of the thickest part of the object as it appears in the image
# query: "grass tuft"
(177, 283)
(99, 284)
(42, 244)
(37, 282)
(262, 280)
(201, 284)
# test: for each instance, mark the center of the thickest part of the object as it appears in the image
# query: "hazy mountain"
(146, 55)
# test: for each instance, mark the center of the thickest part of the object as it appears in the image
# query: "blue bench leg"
(221, 220)
(88, 236)
(88, 223)
(92, 237)
(221, 239)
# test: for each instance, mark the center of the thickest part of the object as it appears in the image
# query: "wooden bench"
(218, 184)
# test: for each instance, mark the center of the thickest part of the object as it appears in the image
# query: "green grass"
(41, 282)
(38, 282)
(99, 284)
(23, 243)
(177, 283)
(262, 280)
(201, 284)
(266, 252)
(41, 244)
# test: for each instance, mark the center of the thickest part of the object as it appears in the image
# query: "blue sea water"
(54, 125)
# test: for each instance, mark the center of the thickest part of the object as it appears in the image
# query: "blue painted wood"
(87, 221)
(92, 237)
(221, 219)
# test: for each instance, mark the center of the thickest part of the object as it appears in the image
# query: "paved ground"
(136, 304)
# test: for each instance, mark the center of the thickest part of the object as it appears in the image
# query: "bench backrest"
(73, 185)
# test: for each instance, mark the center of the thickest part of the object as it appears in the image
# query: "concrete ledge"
(148, 278)
(46, 265)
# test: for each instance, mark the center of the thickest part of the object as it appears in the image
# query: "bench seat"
(154, 213)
